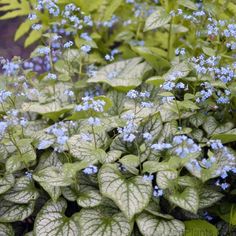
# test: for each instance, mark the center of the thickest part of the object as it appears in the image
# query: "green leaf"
(152, 124)
(12, 212)
(111, 8)
(46, 160)
(122, 75)
(22, 192)
(23, 29)
(131, 195)
(86, 151)
(51, 110)
(150, 225)
(110, 156)
(157, 19)
(165, 179)
(208, 197)
(89, 198)
(34, 36)
(95, 222)
(227, 212)
(6, 230)
(199, 227)
(6, 182)
(155, 80)
(228, 137)
(154, 166)
(153, 57)
(52, 221)
(70, 169)
(188, 4)
(188, 199)
(52, 175)
(197, 119)
(25, 156)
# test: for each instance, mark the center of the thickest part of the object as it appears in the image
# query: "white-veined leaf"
(95, 222)
(150, 225)
(52, 175)
(6, 182)
(11, 212)
(131, 195)
(52, 221)
(6, 230)
(122, 75)
(90, 198)
(22, 192)
(157, 19)
(208, 197)
(165, 178)
(187, 200)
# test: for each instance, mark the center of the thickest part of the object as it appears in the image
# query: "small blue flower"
(68, 44)
(90, 170)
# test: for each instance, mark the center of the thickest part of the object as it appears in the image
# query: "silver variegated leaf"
(157, 19)
(131, 195)
(110, 156)
(11, 212)
(95, 222)
(90, 198)
(52, 175)
(208, 197)
(6, 230)
(123, 75)
(52, 221)
(150, 225)
(6, 182)
(187, 200)
(22, 192)
(166, 178)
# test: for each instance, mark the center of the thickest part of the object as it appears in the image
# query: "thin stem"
(170, 40)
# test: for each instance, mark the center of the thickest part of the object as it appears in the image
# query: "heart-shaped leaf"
(95, 222)
(6, 230)
(157, 19)
(198, 227)
(52, 221)
(89, 198)
(188, 199)
(11, 212)
(6, 182)
(22, 192)
(150, 225)
(131, 195)
(165, 178)
(208, 197)
(122, 75)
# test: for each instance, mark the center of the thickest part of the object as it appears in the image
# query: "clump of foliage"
(122, 121)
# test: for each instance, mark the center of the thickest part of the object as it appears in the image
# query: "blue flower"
(90, 170)
(86, 48)
(68, 44)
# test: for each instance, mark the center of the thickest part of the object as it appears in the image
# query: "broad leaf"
(188, 199)
(131, 195)
(6, 230)
(157, 19)
(208, 197)
(52, 221)
(150, 225)
(123, 75)
(199, 227)
(11, 212)
(6, 182)
(89, 198)
(95, 222)
(22, 192)
(165, 179)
